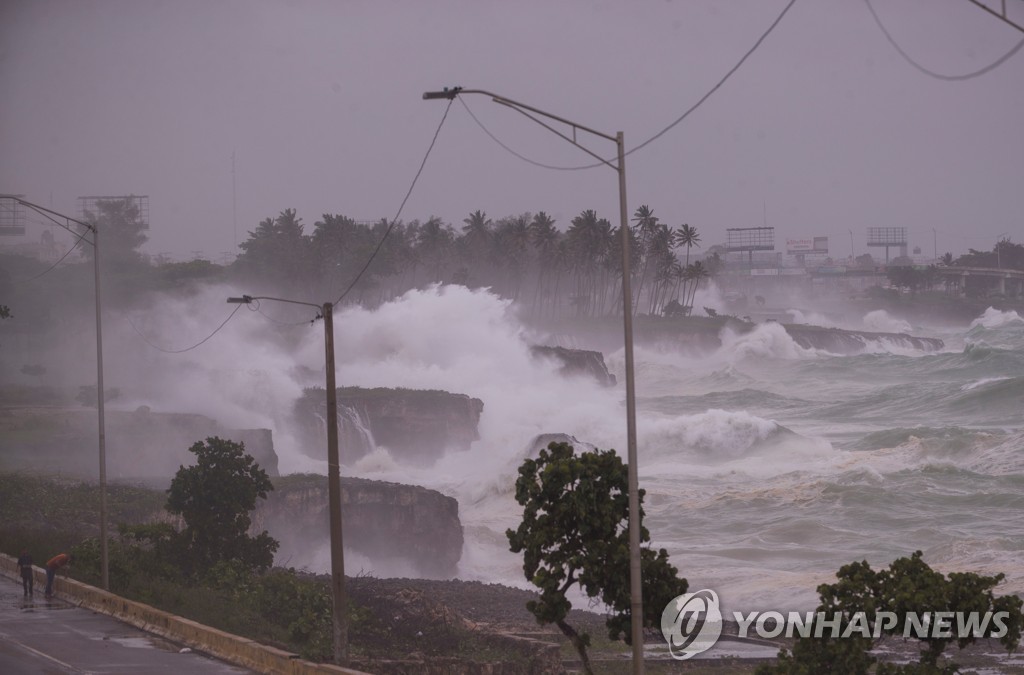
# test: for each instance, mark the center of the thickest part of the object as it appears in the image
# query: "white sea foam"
(812, 318)
(994, 318)
(982, 382)
(880, 321)
(733, 495)
(767, 340)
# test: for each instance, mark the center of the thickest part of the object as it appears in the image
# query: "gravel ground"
(499, 607)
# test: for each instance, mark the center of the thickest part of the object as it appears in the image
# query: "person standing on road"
(25, 567)
(61, 560)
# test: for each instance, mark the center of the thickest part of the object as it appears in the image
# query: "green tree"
(908, 586)
(277, 253)
(5, 312)
(575, 531)
(122, 230)
(215, 496)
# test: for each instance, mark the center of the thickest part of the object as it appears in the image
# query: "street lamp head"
(244, 300)
(448, 93)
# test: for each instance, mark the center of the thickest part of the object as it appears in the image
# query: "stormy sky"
(824, 130)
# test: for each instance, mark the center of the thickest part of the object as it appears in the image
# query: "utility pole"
(101, 411)
(339, 598)
(100, 403)
(234, 201)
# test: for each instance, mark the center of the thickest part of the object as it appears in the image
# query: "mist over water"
(767, 465)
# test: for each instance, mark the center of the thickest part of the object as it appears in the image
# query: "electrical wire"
(54, 265)
(181, 351)
(394, 220)
(290, 324)
(931, 73)
(661, 133)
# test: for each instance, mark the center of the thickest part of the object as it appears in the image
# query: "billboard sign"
(801, 246)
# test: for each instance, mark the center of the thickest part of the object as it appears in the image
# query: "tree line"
(526, 258)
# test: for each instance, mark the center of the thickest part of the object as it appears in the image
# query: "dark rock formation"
(699, 335)
(383, 521)
(140, 444)
(838, 341)
(577, 361)
(417, 426)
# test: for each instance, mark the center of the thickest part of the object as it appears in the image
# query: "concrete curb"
(231, 648)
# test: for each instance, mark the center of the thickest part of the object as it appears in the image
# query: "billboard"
(750, 239)
(12, 218)
(800, 246)
(887, 236)
(794, 246)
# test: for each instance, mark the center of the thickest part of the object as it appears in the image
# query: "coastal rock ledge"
(402, 526)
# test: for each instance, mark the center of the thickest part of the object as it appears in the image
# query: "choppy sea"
(767, 466)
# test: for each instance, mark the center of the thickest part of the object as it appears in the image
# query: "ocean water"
(767, 466)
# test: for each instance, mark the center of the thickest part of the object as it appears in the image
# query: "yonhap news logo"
(692, 623)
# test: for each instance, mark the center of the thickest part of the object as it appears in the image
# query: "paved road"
(52, 636)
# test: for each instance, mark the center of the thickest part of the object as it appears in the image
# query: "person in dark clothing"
(25, 567)
(61, 560)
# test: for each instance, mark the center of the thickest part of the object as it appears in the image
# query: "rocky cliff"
(697, 335)
(386, 522)
(577, 362)
(140, 444)
(838, 341)
(417, 426)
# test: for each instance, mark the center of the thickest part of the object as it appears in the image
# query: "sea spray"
(757, 479)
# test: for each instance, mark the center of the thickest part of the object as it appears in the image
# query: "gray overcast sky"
(825, 129)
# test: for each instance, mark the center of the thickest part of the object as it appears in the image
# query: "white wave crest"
(994, 318)
(715, 433)
(812, 318)
(767, 340)
(880, 321)
(982, 382)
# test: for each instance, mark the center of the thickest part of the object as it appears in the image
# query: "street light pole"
(101, 411)
(339, 598)
(100, 403)
(635, 576)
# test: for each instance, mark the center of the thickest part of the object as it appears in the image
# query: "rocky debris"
(421, 627)
(577, 362)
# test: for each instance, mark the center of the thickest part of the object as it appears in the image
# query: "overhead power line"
(186, 349)
(931, 73)
(661, 133)
(394, 220)
(54, 265)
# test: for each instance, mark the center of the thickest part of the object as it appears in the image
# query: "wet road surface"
(53, 636)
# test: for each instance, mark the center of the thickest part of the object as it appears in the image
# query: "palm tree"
(646, 224)
(687, 236)
(512, 247)
(544, 238)
(477, 227)
(697, 272)
(434, 244)
(589, 239)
